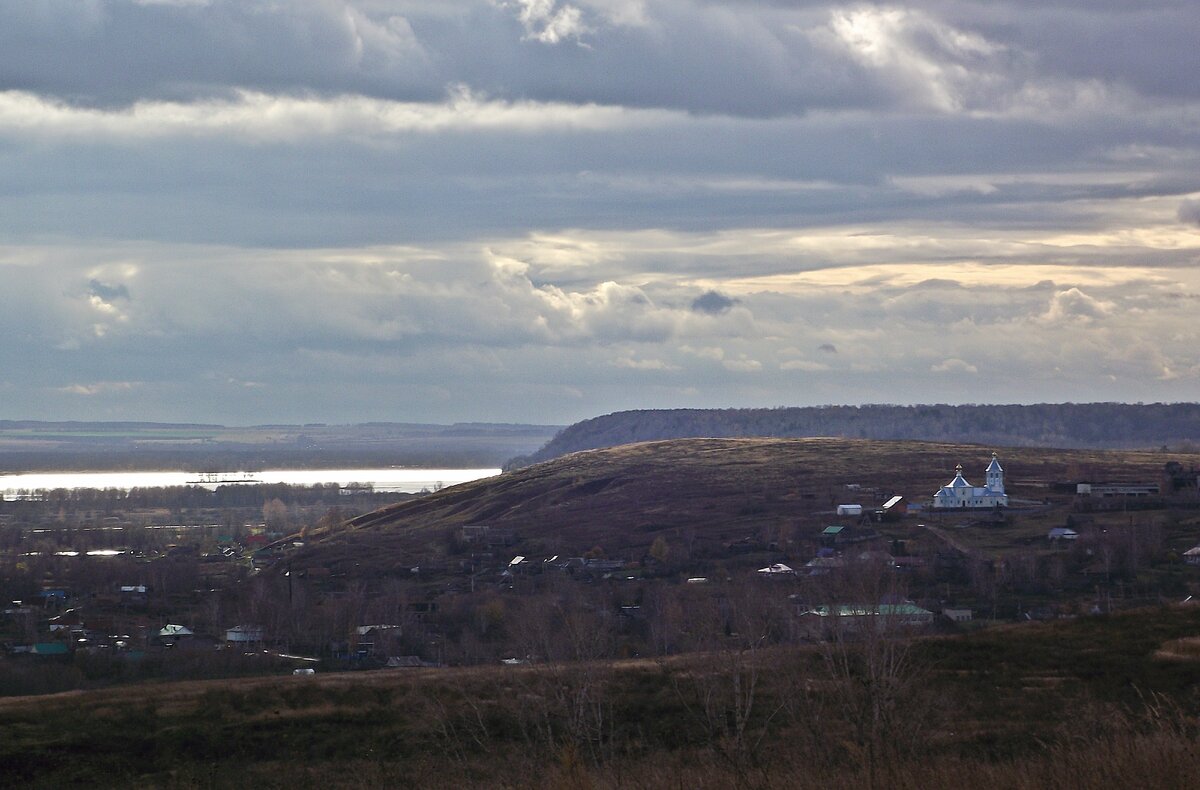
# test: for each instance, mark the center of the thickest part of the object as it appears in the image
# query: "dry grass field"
(712, 492)
(1097, 702)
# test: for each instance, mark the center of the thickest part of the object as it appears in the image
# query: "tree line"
(1062, 425)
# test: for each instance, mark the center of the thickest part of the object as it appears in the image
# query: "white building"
(958, 493)
(778, 569)
(244, 634)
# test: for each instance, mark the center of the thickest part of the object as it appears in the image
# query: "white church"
(958, 493)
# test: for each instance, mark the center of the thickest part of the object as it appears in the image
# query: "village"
(228, 594)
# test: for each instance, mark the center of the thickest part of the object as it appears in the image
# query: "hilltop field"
(736, 502)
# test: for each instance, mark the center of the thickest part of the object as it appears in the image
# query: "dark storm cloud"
(712, 303)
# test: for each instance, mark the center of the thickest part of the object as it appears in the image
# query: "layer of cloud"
(260, 117)
(731, 57)
(133, 325)
(546, 209)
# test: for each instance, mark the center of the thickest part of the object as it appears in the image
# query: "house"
(1192, 555)
(839, 535)
(777, 570)
(376, 640)
(244, 634)
(133, 594)
(53, 598)
(909, 562)
(878, 558)
(854, 616)
(1116, 489)
(849, 510)
(602, 565)
(172, 634)
(50, 649)
(485, 535)
(411, 662)
(831, 535)
(1062, 533)
(70, 621)
(819, 566)
(957, 615)
(893, 510)
(474, 533)
(958, 493)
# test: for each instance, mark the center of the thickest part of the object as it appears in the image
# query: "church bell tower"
(995, 476)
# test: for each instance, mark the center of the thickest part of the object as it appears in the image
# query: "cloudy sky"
(248, 211)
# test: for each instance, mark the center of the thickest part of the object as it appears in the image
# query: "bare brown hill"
(697, 491)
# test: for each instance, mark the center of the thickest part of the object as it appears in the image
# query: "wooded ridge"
(1063, 425)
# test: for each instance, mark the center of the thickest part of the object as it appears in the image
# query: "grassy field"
(711, 492)
(1094, 702)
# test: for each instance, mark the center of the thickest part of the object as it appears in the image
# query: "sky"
(253, 211)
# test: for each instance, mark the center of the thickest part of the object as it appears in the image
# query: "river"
(393, 480)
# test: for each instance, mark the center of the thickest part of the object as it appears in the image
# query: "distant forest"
(1064, 425)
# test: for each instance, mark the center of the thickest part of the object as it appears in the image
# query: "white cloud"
(930, 63)
(267, 118)
(174, 3)
(548, 21)
(1075, 305)
(623, 13)
(803, 364)
(643, 364)
(953, 365)
(714, 353)
(742, 364)
(98, 388)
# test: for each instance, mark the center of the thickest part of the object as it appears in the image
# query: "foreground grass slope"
(1095, 702)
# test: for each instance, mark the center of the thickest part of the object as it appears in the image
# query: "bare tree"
(866, 627)
(568, 637)
(729, 629)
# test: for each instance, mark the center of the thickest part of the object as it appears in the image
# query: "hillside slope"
(707, 491)
(1082, 425)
